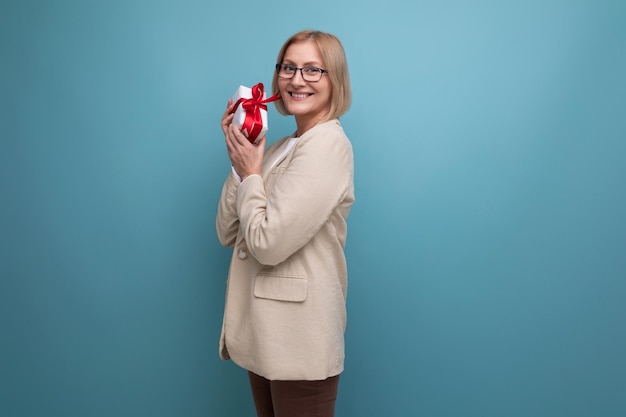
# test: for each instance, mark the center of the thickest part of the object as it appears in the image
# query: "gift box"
(251, 111)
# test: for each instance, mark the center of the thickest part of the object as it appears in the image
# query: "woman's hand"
(247, 158)
(227, 117)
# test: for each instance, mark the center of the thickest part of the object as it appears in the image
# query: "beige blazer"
(285, 309)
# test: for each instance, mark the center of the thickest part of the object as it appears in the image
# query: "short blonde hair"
(335, 62)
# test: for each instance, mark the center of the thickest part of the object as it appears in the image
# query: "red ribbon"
(253, 123)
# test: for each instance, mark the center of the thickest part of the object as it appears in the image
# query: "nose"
(297, 78)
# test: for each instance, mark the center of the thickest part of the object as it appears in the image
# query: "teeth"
(299, 95)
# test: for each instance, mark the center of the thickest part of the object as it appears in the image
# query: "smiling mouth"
(296, 95)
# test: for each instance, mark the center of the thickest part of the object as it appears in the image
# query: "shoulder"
(329, 134)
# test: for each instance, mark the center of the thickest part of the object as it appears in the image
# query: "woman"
(284, 212)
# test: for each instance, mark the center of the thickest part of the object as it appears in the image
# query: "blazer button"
(242, 254)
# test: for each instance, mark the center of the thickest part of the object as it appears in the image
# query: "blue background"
(486, 245)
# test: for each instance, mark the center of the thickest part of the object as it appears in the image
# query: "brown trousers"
(294, 398)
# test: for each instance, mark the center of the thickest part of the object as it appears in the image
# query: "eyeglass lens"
(311, 74)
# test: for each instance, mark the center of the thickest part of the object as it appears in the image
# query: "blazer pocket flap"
(281, 288)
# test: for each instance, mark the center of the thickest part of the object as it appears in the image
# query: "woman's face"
(307, 101)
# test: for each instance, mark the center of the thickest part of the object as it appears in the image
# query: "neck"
(303, 125)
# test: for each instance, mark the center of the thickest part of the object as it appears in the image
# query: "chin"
(297, 110)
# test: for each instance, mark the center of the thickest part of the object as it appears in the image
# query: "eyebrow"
(306, 64)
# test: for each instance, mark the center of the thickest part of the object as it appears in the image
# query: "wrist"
(244, 176)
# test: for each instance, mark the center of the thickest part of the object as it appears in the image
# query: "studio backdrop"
(486, 247)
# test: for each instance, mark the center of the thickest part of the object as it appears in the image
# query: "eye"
(288, 68)
(311, 70)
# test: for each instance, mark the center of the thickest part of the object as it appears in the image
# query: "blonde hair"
(335, 62)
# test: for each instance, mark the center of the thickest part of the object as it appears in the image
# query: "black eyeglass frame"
(320, 70)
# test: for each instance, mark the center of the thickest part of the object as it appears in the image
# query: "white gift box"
(240, 115)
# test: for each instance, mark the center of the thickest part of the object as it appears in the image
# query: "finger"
(261, 142)
(227, 119)
(233, 154)
(229, 108)
(233, 145)
(231, 140)
(226, 122)
(239, 137)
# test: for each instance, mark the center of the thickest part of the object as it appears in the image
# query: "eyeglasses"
(309, 74)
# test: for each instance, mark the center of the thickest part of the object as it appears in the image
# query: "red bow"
(253, 123)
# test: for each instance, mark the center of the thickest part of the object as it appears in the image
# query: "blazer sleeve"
(308, 191)
(227, 221)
